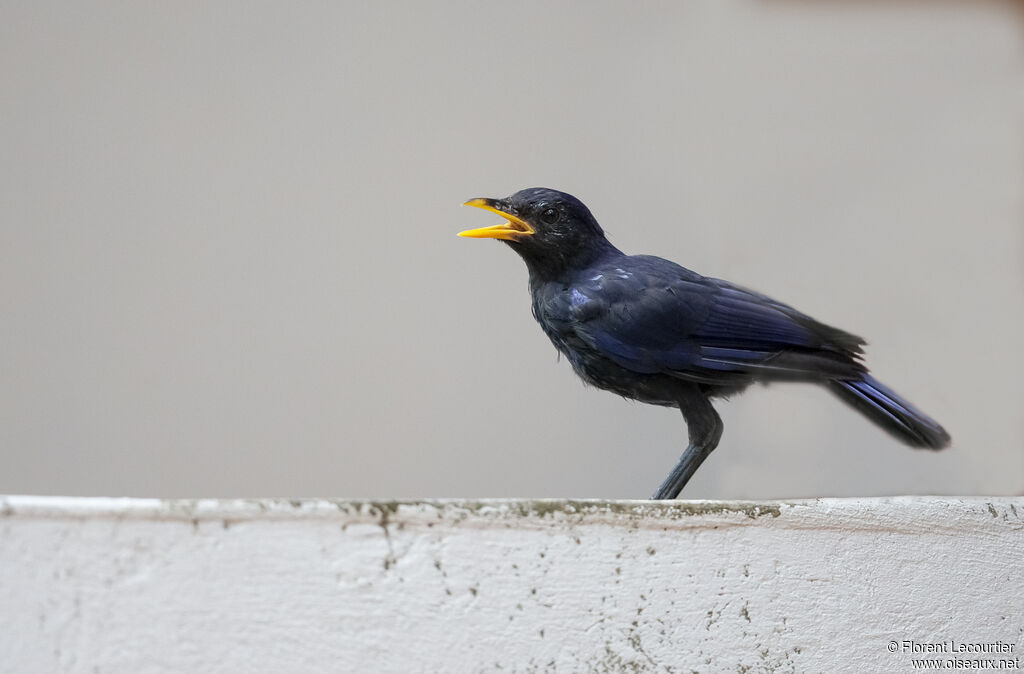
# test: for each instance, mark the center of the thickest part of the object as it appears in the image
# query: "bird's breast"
(561, 311)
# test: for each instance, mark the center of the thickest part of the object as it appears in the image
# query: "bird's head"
(551, 230)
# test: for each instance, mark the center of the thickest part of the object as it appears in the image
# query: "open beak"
(511, 230)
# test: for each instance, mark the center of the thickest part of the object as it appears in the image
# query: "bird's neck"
(563, 266)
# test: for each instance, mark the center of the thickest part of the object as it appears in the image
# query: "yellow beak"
(512, 229)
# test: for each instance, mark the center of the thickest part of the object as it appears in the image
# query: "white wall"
(138, 586)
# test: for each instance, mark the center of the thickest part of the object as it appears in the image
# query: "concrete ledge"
(831, 585)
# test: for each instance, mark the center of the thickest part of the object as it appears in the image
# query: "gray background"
(228, 262)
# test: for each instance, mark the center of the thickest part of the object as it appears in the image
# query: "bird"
(650, 330)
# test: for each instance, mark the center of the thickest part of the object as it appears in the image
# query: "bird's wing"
(657, 317)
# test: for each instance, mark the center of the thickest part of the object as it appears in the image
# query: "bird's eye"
(549, 216)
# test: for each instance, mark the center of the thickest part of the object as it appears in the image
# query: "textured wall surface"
(104, 585)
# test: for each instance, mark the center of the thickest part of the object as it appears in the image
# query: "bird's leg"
(705, 429)
(684, 469)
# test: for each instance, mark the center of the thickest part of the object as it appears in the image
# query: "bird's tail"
(891, 412)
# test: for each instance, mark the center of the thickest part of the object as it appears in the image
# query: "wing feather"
(658, 317)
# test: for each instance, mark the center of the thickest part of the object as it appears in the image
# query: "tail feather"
(891, 412)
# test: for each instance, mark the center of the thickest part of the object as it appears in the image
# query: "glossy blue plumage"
(651, 316)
